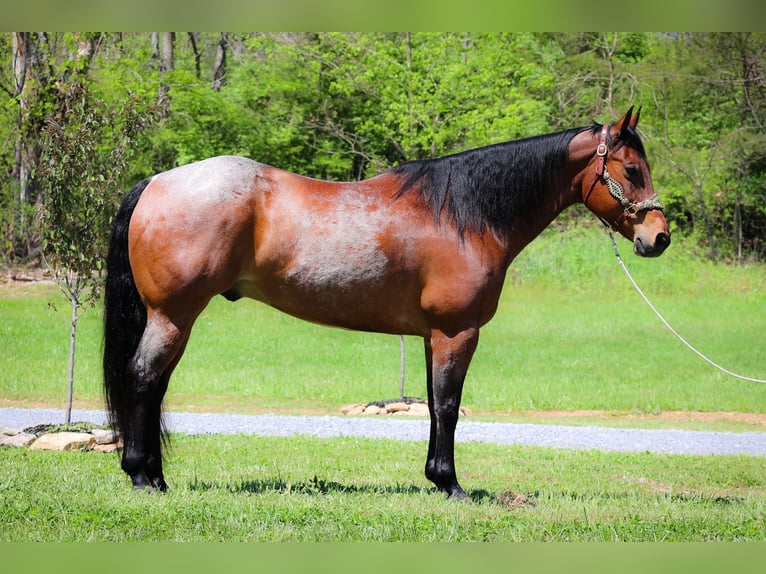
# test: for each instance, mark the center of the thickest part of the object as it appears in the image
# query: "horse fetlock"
(443, 476)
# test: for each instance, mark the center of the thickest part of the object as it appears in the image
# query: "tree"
(709, 139)
(85, 151)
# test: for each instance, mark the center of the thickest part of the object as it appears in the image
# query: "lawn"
(239, 488)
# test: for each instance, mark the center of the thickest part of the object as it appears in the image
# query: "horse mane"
(496, 185)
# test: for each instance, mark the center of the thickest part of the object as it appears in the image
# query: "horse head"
(617, 187)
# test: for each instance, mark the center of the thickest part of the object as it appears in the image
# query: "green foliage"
(19, 225)
(85, 151)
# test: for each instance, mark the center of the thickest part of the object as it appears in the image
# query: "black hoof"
(456, 494)
(143, 482)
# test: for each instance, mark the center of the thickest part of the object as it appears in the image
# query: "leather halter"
(629, 208)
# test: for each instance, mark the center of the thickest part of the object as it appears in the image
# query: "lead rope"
(672, 330)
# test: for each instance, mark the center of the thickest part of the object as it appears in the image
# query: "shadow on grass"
(315, 486)
(319, 486)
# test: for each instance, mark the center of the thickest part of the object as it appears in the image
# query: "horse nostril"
(661, 241)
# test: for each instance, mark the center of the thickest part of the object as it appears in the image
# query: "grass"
(570, 334)
(240, 488)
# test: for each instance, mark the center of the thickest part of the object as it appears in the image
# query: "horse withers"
(421, 249)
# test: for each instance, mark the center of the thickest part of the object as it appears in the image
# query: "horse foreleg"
(158, 352)
(447, 360)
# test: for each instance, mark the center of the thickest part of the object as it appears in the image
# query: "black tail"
(124, 316)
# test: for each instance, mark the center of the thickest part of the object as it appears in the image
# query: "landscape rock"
(18, 440)
(418, 409)
(397, 407)
(107, 448)
(408, 406)
(10, 431)
(104, 436)
(64, 441)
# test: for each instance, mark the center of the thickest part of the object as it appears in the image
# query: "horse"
(420, 249)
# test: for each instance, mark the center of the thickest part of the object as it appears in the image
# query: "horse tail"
(124, 316)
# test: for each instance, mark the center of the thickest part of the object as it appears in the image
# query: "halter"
(629, 208)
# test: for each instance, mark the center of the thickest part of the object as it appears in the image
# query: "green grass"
(570, 334)
(348, 489)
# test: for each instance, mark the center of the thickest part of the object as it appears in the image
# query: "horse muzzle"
(648, 247)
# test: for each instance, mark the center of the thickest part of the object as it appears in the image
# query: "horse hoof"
(458, 494)
(143, 482)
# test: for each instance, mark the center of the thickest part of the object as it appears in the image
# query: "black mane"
(493, 186)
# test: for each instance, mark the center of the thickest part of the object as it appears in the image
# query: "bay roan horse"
(421, 249)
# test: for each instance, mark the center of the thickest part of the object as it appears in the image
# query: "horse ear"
(623, 123)
(634, 119)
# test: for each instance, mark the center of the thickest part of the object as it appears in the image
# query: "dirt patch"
(682, 416)
(513, 500)
(20, 282)
(15, 275)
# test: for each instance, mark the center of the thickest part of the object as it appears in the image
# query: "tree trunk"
(167, 45)
(738, 235)
(22, 45)
(72, 338)
(167, 63)
(707, 222)
(609, 50)
(197, 56)
(219, 68)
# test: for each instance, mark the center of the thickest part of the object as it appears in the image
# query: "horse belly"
(350, 288)
(335, 262)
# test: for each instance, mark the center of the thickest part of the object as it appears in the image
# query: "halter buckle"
(601, 150)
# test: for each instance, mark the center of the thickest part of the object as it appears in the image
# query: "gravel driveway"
(401, 428)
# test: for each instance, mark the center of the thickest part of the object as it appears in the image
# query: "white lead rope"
(672, 330)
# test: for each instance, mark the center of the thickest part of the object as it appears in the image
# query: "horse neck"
(561, 191)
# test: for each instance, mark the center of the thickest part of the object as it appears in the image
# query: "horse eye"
(631, 170)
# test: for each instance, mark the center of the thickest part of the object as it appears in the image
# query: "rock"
(64, 441)
(107, 448)
(397, 407)
(10, 431)
(354, 409)
(104, 436)
(18, 440)
(418, 409)
(374, 410)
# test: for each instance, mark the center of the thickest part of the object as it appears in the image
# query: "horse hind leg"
(159, 350)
